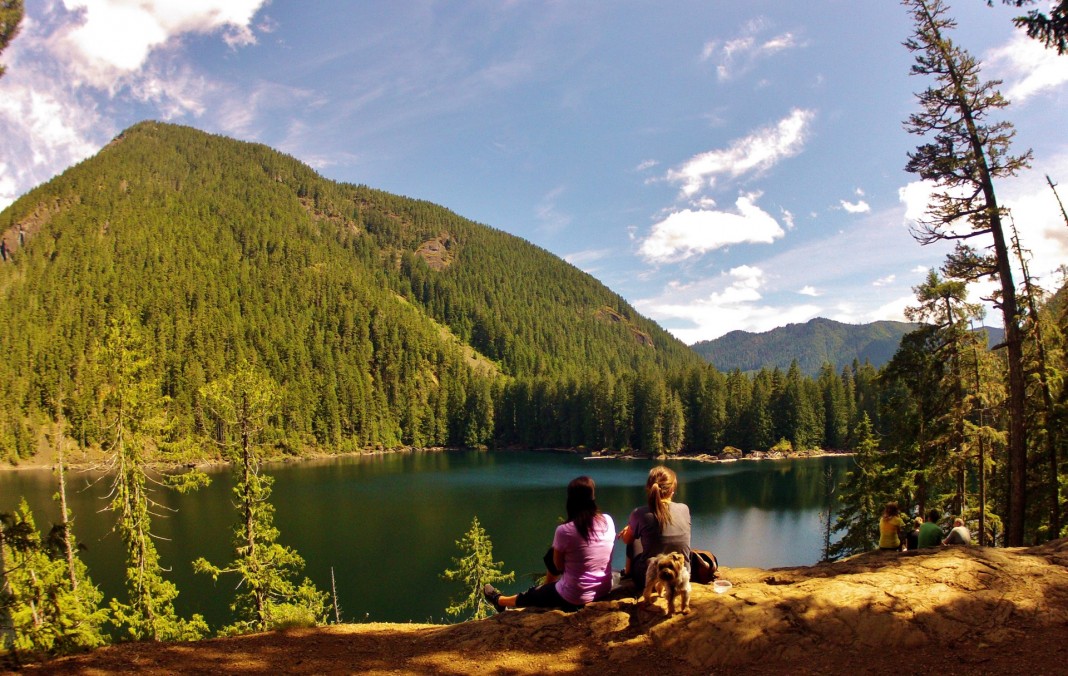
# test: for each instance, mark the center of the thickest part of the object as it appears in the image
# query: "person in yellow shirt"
(891, 525)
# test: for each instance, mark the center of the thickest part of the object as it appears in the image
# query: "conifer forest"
(182, 297)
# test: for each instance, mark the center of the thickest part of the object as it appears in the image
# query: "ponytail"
(659, 488)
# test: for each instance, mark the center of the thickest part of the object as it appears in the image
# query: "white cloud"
(1027, 68)
(687, 233)
(71, 62)
(892, 310)
(741, 54)
(788, 219)
(645, 165)
(112, 38)
(884, 281)
(754, 153)
(712, 308)
(809, 291)
(47, 130)
(917, 198)
(858, 207)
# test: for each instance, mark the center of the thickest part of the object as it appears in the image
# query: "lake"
(387, 524)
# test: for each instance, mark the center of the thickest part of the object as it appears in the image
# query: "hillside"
(955, 610)
(812, 344)
(387, 320)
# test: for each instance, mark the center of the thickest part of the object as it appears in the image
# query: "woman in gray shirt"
(662, 526)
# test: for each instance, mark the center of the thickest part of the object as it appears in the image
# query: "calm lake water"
(387, 525)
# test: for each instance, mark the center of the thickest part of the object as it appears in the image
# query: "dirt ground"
(950, 611)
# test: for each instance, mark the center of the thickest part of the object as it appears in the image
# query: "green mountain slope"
(812, 344)
(385, 319)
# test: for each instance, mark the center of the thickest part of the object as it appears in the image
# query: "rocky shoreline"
(88, 461)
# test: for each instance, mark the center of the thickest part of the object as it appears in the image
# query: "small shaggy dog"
(668, 576)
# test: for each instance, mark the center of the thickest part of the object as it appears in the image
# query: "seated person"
(960, 535)
(581, 558)
(930, 533)
(890, 527)
(662, 526)
(912, 540)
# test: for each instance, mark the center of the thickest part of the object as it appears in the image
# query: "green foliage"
(226, 252)
(474, 569)
(963, 151)
(11, 12)
(783, 446)
(243, 405)
(862, 497)
(48, 607)
(134, 412)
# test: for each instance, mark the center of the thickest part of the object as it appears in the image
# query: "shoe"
(493, 596)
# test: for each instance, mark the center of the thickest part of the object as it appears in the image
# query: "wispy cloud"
(72, 60)
(1027, 68)
(711, 308)
(809, 291)
(740, 54)
(689, 233)
(755, 153)
(549, 215)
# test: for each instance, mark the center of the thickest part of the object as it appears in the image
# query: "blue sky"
(721, 165)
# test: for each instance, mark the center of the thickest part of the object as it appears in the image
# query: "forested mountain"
(386, 320)
(812, 344)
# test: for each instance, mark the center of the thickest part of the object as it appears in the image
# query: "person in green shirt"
(930, 533)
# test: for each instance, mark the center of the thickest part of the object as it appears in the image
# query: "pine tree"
(474, 569)
(244, 403)
(862, 497)
(962, 159)
(134, 412)
(45, 613)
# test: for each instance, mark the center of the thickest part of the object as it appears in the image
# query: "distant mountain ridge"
(812, 344)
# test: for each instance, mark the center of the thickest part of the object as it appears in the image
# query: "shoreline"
(213, 464)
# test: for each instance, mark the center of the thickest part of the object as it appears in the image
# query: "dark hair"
(581, 506)
(934, 516)
(891, 510)
(660, 486)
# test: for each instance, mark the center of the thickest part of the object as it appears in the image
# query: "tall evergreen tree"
(135, 418)
(244, 404)
(943, 304)
(835, 408)
(964, 157)
(862, 496)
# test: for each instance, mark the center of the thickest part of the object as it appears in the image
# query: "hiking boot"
(493, 596)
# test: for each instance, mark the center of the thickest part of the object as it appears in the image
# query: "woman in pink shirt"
(580, 561)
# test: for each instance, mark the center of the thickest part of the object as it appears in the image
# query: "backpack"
(703, 566)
